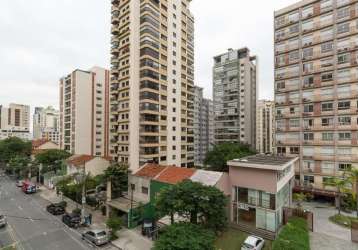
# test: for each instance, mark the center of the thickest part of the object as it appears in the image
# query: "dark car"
(56, 208)
(71, 220)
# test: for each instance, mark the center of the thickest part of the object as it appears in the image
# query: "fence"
(297, 212)
(354, 231)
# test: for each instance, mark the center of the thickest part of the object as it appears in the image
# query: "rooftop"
(174, 175)
(270, 162)
(149, 170)
(79, 160)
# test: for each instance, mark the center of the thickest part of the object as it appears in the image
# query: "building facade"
(203, 126)
(235, 96)
(152, 82)
(15, 121)
(84, 112)
(46, 124)
(264, 126)
(316, 89)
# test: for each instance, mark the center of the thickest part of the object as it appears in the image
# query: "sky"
(43, 40)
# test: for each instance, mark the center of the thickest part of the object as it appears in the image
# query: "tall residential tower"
(203, 126)
(235, 95)
(46, 124)
(264, 126)
(152, 82)
(84, 112)
(15, 121)
(316, 91)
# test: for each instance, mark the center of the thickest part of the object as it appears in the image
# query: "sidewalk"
(132, 240)
(98, 220)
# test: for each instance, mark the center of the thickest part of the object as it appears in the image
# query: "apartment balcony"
(115, 30)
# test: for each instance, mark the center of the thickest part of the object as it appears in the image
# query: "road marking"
(20, 208)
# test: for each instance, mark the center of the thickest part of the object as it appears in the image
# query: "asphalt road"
(30, 226)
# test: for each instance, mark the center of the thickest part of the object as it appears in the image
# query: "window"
(294, 150)
(307, 53)
(327, 47)
(328, 106)
(327, 136)
(345, 151)
(308, 108)
(342, 28)
(308, 179)
(344, 120)
(344, 105)
(294, 123)
(144, 190)
(327, 150)
(308, 136)
(327, 122)
(343, 12)
(343, 58)
(327, 167)
(328, 76)
(344, 166)
(344, 136)
(308, 81)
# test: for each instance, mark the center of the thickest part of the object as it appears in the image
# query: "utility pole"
(83, 191)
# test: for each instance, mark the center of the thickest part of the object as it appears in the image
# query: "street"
(30, 226)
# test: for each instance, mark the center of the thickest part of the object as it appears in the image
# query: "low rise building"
(88, 164)
(261, 186)
(42, 145)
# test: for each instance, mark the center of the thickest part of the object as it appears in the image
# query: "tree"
(13, 147)
(199, 204)
(114, 223)
(222, 153)
(21, 165)
(353, 178)
(341, 185)
(299, 198)
(117, 174)
(184, 236)
(52, 159)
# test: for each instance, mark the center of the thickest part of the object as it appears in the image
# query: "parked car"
(19, 183)
(28, 187)
(253, 243)
(3, 221)
(56, 208)
(71, 220)
(97, 237)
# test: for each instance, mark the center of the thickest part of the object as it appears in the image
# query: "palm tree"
(353, 178)
(341, 185)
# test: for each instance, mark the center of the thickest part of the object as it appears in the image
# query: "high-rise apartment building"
(264, 126)
(84, 112)
(15, 121)
(152, 82)
(316, 75)
(203, 126)
(235, 95)
(46, 124)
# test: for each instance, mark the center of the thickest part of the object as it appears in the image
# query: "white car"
(253, 243)
(19, 183)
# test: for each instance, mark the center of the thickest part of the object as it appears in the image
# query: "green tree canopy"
(222, 153)
(184, 236)
(200, 204)
(13, 147)
(117, 173)
(52, 159)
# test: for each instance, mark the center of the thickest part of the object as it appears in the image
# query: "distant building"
(203, 126)
(84, 112)
(15, 121)
(46, 124)
(235, 96)
(264, 126)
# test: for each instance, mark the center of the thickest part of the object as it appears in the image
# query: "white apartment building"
(264, 126)
(203, 126)
(235, 95)
(46, 124)
(84, 112)
(15, 121)
(152, 82)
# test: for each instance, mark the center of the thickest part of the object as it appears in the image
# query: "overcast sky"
(42, 40)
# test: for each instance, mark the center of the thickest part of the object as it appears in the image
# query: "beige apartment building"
(15, 121)
(316, 89)
(46, 124)
(264, 126)
(152, 82)
(235, 95)
(84, 112)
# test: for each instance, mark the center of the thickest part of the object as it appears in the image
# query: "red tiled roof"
(174, 175)
(149, 170)
(79, 160)
(38, 143)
